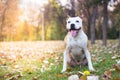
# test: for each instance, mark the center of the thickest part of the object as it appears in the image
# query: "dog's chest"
(75, 43)
(76, 47)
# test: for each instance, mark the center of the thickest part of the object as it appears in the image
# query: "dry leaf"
(73, 77)
(83, 77)
(107, 75)
(60, 75)
(115, 57)
(1, 62)
(35, 78)
(116, 79)
(14, 77)
(19, 57)
(45, 61)
(93, 77)
(117, 68)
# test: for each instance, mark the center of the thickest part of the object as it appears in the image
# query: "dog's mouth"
(74, 32)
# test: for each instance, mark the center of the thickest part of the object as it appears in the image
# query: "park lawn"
(27, 61)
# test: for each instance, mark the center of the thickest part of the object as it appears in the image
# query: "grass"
(22, 63)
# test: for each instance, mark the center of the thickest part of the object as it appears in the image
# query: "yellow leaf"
(84, 77)
(86, 73)
(60, 75)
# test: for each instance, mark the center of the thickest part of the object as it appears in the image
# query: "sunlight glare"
(31, 9)
(63, 2)
(38, 2)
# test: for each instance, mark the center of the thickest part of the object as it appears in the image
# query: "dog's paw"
(92, 69)
(63, 70)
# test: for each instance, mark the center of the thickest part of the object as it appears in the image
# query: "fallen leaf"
(15, 77)
(1, 62)
(35, 78)
(116, 79)
(93, 77)
(117, 68)
(107, 75)
(115, 57)
(45, 61)
(84, 77)
(102, 60)
(19, 57)
(73, 77)
(118, 62)
(61, 75)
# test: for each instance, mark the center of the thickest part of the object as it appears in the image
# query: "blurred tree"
(93, 21)
(54, 20)
(105, 22)
(32, 13)
(95, 4)
(89, 9)
(3, 9)
(119, 40)
(9, 19)
(70, 8)
(116, 14)
(28, 27)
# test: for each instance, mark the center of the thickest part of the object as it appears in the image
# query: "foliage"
(55, 20)
(114, 32)
(117, 16)
(13, 27)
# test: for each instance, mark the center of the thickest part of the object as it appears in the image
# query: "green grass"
(54, 74)
(35, 69)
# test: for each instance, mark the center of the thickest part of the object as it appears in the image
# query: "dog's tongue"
(73, 33)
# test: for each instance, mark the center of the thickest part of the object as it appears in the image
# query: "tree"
(9, 18)
(117, 21)
(85, 10)
(33, 12)
(93, 24)
(55, 19)
(89, 9)
(95, 4)
(3, 8)
(105, 23)
(70, 8)
(119, 40)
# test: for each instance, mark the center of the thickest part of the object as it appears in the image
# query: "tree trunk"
(105, 23)
(95, 7)
(3, 19)
(72, 11)
(89, 23)
(119, 40)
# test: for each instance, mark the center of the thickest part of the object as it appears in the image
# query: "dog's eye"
(77, 21)
(68, 21)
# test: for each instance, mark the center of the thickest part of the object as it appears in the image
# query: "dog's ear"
(68, 16)
(82, 16)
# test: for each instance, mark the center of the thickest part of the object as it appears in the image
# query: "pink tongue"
(73, 33)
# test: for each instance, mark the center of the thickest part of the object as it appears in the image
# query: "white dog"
(76, 45)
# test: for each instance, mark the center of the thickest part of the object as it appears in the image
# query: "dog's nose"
(72, 26)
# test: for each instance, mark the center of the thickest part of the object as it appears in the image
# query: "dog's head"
(74, 25)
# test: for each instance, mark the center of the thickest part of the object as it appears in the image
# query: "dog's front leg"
(65, 60)
(87, 53)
